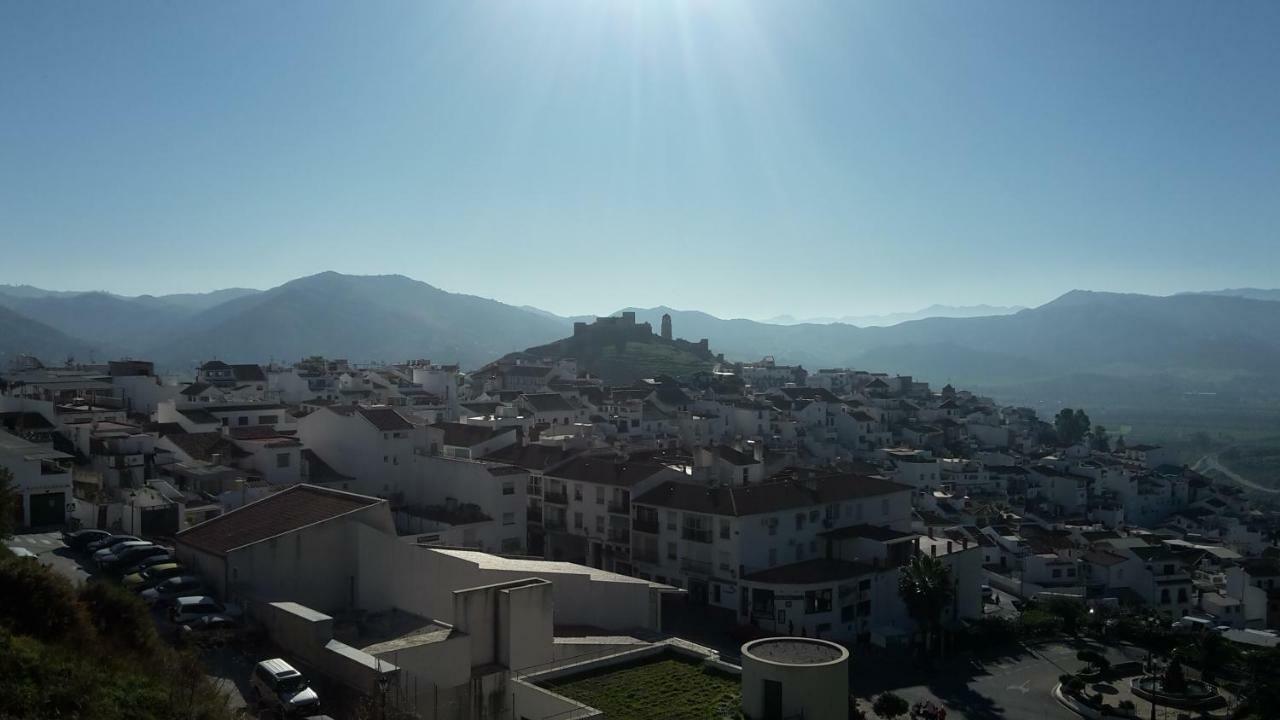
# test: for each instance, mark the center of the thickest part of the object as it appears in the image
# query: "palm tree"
(925, 587)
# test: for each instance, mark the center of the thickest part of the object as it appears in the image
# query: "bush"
(1039, 624)
(120, 617)
(889, 705)
(41, 604)
(993, 631)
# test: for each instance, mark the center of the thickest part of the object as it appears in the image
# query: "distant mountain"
(101, 318)
(1251, 293)
(21, 335)
(203, 301)
(1198, 337)
(895, 318)
(362, 318)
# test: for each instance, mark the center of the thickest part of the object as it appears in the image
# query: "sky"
(746, 159)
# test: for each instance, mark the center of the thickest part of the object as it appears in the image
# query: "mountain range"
(1194, 342)
(901, 317)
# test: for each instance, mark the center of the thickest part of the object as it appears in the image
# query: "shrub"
(120, 617)
(41, 604)
(889, 705)
(1038, 624)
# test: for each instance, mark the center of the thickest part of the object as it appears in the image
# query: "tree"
(925, 588)
(1098, 439)
(8, 504)
(1071, 426)
(889, 706)
(1096, 660)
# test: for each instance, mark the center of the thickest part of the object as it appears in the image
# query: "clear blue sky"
(747, 159)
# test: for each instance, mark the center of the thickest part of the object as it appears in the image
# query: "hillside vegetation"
(91, 653)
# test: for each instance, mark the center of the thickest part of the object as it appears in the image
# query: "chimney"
(933, 550)
(931, 532)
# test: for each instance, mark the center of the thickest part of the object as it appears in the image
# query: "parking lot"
(226, 666)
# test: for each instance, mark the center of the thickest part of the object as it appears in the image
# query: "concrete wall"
(421, 580)
(306, 635)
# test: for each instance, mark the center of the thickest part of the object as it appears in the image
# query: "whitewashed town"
(450, 543)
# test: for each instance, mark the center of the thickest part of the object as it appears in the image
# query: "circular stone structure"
(795, 677)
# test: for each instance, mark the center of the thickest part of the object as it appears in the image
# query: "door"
(715, 593)
(772, 705)
(48, 509)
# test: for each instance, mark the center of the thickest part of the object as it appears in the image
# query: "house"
(374, 445)
(41, 481)
(465, 440)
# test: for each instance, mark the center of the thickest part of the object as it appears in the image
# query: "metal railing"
(557, 498)
(696, 534)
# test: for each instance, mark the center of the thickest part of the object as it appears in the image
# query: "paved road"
(1012, 686)
(49, 548)
(1211, 462)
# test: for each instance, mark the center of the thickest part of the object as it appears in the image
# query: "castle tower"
(666, 326)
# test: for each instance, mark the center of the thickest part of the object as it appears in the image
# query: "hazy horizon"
(730, 153)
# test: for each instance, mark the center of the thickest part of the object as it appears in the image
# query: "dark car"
(147, 563)
(78, 539)
(108, 542)
(132, 555)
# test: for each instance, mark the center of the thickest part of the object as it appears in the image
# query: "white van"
(280, 687)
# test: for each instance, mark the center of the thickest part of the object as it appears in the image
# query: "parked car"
(130, 556)
(174, 587)
(150, 577)
(278, 686)
(189, 608)
(108, 541)
(108, 554)
(147, 562)
(78, 539)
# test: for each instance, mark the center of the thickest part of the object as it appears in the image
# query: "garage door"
(48, 509)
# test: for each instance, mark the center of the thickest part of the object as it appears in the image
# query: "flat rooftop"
(794, 651)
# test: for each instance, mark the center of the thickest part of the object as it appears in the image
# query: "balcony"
(697, 567)
(696, 534)
(619, 535)
(533, 490)
(557, 497)
(645, 526)
(620, 508)
(534, 516)
(551, 522)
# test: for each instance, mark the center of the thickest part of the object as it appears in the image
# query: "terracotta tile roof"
(870, 532)
(768, 497)
(276, 514)
(548, 402)
(605, 470)
(531, 457)
(204, 445)
(810, 572)
(463, 435)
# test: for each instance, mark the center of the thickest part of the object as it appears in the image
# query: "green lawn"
(671, 688)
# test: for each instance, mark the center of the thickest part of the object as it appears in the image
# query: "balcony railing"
(620, 508)
(619, 535)
(557, 498)
(533, 490)
(645, 526)
(534, 516)
(697, 567)
(696, 534)
(551, 522)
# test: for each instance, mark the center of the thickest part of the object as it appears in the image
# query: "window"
(577, 491)
(813, 516)
(225, 422)
(724, 529)
(671, 551)
(282, 460)
(599, 523)
(508, 487)
(773, 526)
(242, 420)
(817, 601)
(599, 495)
(577, 521)
(1057, 572)
(1182, 595)
(799, 521)
(671, 520)
(725, 563)
(508, 518)
(746, 475)
(1164, 596)
(268, 419)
